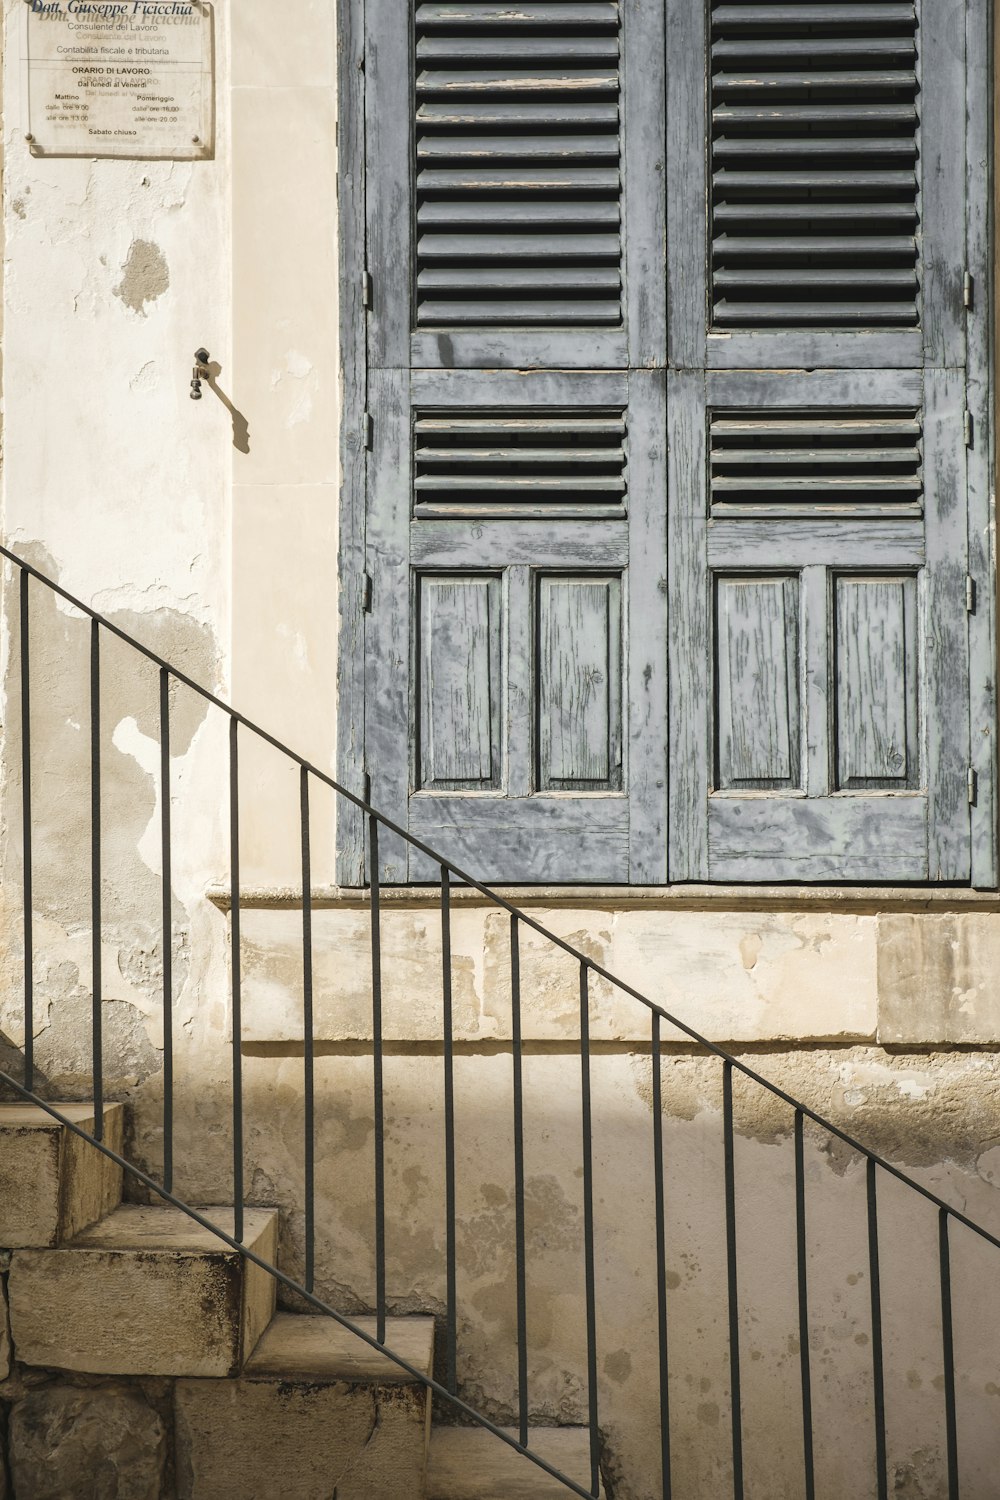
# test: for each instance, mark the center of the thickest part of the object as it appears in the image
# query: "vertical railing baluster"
(661, 1256)
(733, 1281)
(97, 1036)
(167, 931)
(520, 1254)
(590, 1278)
(308, 1045)
(235, 964)
(878, 1376)
(451, 1260)
(26, 850)
(805, 1372)
(377, 1078)
(948, 1349)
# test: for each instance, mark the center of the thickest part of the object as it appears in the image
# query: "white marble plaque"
(131, 78)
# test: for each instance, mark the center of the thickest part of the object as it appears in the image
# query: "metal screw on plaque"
(196, 140)
(28, 136)
(201, 372)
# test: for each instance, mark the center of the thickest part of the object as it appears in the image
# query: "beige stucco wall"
(209, 531)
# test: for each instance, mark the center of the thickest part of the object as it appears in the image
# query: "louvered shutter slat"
(599, 12)
(529, 49)
(493, 214)
(845, 276)
(815, 78)
(814, 47)
(557, 113)
(815, 114)
(539, 312)
(841, 212)
(551, 179)
(759, 17)
(831, 246)
(467, 247)
(512, 278)
(546, 426)
(785, 314)
(485, 146)
(499, 178)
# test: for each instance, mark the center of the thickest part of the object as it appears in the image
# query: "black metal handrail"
(450, 875)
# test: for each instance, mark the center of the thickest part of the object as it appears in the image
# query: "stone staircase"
(141, 1358)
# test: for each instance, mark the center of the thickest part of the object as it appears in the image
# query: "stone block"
(52, 1183)
(469, 1463)
(743, 975)
(145, 1292)
(936, 977)
(316, 1413)
(68, 1444)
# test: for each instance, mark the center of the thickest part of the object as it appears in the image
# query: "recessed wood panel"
(459, 697)
(877, 740)
(578, 683)
(757, 683)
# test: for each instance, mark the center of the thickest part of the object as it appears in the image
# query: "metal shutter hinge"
(366, 593)
(968, 429)
(972, 787)
(967, 289)
(369, 431)
(970, 594)
(366, 787)
(366, 289)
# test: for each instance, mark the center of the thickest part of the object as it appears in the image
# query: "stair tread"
(307, 1347)
(469, 1463)
(20, 1116)
(138, 1226)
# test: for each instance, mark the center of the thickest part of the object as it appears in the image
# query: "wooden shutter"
(516, 675)
(820, 653)
(516, 525)
(831, 600)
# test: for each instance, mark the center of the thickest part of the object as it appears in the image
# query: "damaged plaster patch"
(145, 276)
(146, 379)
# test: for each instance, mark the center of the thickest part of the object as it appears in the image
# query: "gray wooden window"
(676, 507)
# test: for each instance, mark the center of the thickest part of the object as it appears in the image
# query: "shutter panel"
(835, 184)
(813, 161)
(517, 675)
(820, 658)
(518, 145)
(504, 228)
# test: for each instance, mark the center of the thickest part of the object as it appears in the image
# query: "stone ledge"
(862, 899)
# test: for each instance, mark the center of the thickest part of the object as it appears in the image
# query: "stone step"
(469, 1463)
(53, 1184)
(146, 1291)
(316, 1413)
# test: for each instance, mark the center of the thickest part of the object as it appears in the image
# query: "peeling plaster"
(145, 276)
